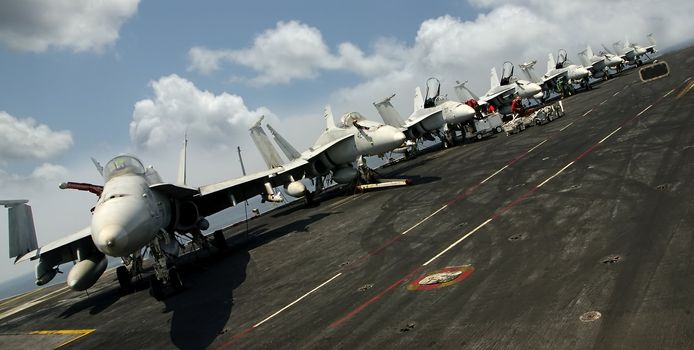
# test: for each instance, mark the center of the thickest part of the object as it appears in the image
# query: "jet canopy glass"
(123, 165)
(350, 118)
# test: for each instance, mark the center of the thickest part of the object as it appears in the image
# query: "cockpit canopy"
(123, 165)
(350, 118)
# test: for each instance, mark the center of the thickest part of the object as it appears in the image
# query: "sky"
(83, 78)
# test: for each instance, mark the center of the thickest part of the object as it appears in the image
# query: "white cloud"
(78, 25)
(453, 49)
(292, 50)
(25, 138)
(178, 105)
(45, 174)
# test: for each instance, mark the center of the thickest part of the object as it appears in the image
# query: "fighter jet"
(633, 52)
(503, 90)
(560, 71)
(434, 114)
(135, 211)
(563, 68)
(334, 152)
(599, 65)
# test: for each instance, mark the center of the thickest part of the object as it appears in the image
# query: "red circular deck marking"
(465, 271)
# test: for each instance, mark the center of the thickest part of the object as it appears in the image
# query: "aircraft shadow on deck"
(202, 309)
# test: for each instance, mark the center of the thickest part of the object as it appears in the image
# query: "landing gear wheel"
(219, 241)
(156, 289)
(537, 122)
(175, 280)
(126, 283)
(498, 129)
(478, 136)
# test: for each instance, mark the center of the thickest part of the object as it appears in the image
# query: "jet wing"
(62, 250)
(497, 91)
(555, 75)
(424, 120)
(215, 197)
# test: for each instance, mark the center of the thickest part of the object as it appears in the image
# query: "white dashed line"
(457, 242)
(555, 174)
(668, 93)
(603, 102)
(568, 125)
(644, 110)
(608, 136)
(586, 113)
(425, 219)
(507, 165)
(616, 93)
(296, 301)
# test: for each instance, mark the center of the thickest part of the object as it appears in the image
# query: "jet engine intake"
(187, 216)
(86, 272)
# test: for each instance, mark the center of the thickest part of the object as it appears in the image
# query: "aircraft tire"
(124, 279)
(175, 279)
(218, 239)
(156, 289)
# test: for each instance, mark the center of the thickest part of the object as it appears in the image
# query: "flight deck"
(571, 235)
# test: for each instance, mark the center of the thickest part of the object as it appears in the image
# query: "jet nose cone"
(112, 240)
(399, 137)
(462, 113)
(534, 89)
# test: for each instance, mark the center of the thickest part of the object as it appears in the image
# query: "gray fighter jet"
(433, 115)
(135, 211)
(335, 152)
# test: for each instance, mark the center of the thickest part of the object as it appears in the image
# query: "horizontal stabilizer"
(21, 224)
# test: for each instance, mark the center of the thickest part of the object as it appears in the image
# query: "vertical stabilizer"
(21, 224)
(528, 69)
(608, 50)
(418, 99)
(589, 52)
(329, 119)
(494, 78)
(182, 162)
(551, 64)
(262, 142)
(388, 113)
(617, 47)
(284, 145)
(463, 92)
(98, 166)
(584, 58)
(651, 39)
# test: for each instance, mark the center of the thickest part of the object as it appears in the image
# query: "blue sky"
(103, 78)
